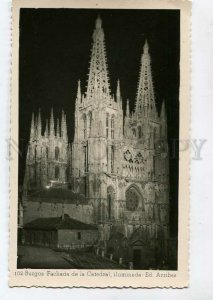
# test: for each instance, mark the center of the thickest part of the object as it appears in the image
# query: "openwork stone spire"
(79, 91)
(163, 112)
(58, 128)
(46, 132)
(33, 128)
(63, 126)
(145, 101)
(118, 91)
(127, 108)
(39, 124)
(98, 85)
(52, 126)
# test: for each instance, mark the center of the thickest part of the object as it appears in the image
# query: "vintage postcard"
(100, 106)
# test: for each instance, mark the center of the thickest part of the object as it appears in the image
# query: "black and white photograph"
(98, 133)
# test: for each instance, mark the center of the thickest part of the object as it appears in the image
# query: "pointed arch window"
(134, 132)
(85, 150)
(47, 152)
(139, 132)
(109, 205)
(57, 153)
(84, 126)
(90, 121)
(107, 156)
(112, 158)
(35, 153)
(155, 135)
(107, 125)
(112, 127)
(57, 172)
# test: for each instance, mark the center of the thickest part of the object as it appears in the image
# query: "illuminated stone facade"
(119, 163)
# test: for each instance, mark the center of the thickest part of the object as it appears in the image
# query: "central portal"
(136, 258)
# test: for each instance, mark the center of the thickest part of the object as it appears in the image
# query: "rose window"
(132, 199)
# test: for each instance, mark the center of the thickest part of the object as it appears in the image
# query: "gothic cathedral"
(117, 166)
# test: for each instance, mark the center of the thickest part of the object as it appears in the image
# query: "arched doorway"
(141, 253)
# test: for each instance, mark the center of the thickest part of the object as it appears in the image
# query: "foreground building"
(114, 175)
(60, 232)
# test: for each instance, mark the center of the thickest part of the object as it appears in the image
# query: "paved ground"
(41, 258)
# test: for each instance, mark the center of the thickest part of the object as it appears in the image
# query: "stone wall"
(77, 237)
(39, 208)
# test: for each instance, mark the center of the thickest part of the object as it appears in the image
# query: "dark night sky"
(55, 47)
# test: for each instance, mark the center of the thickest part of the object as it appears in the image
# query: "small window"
(107, 155)
(35, 153)
(134, 132)
(107, 125)
(112, 158)
(57, 153)
(79, 236)
(90, 121)
(109, 206)
(47, 152)
(139, 132)
(112, 127)
(85, 126)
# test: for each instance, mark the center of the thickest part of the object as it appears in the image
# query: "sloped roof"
(58, 223)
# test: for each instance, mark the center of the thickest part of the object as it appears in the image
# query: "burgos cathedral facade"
(112, 181)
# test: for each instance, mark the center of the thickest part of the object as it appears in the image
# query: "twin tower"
(118, 161)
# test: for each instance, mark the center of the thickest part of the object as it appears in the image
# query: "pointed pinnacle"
(163, 111)
(118, 92)
(39, 115)
(32, 120)
(79, 89)
(58, 129)
(146, 48)
(63, 126)
(127, 108)
(98, 22)
(46, 128)
(52, 125)
(39, 125)
(32, 130)
(51, 114)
